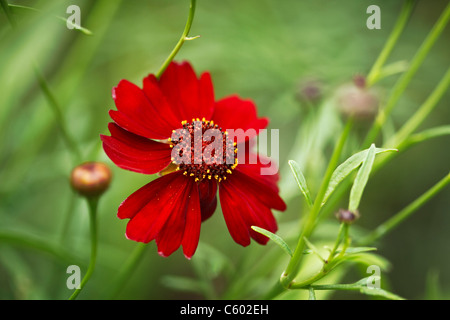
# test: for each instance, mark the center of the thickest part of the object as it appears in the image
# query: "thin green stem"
(56, 109)
(35, 243)
(93, 204)
(337, 242)
(53, 103)
(8, 13)
(183, 38)
(420, 115)
(291, 269)
(401, 216)
(346, 241)
(402, 20)
(406, 78)
(131, 265)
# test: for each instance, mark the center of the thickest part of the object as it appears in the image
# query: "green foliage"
(347, 167)
(260, 50)
(275, 238)
(298, 175)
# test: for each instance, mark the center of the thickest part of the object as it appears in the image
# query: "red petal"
(140, 198)
(231, 208)
(252, 210)
(170, 236)
(193, 221)
(188, 96)
(254, 170)
(208, 198)
(136, 113)
(132, 152)
(234, 113)
(159, 102)
(164, 200)
(260, 187)
(257, 213)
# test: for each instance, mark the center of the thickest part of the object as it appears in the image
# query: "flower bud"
(91, 178)
(358, 101)
(310, 90)
(347, 216)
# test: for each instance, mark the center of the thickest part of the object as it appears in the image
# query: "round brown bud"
(357, 101)
(91, 178)
(347, 216)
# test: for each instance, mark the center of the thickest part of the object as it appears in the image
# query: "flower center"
(203, 150)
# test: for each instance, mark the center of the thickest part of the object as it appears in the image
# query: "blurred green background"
(260, 49)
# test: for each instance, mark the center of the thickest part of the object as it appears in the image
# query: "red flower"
(171, 208)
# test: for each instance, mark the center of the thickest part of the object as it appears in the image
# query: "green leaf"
(428, 134)
(347, 167)
(355, 250)
(393, 68)
(361, 180)
(380, 293)
(369, 259)
(277, 239)
(182, 284)
(212, 260)
(301, 181)
(360, 286)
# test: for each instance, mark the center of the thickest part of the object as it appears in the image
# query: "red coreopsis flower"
(171, 208)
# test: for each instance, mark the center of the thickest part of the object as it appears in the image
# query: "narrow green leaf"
(347, 167)
(301, 181)
(369, 259)
(360, 286)
(380, 293)
(355, 250)
(393, 68)
(361, 180)
(275, 238)
(428, 134)
(182, 284)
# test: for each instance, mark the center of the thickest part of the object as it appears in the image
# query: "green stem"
(406, 78)
(346, 241)
(8, 13)
(31, 242)
(401, 216)
(419, 116)
(53, 103)
(183, 38)
(330, 263)
(130, 266)
(338, 242)
(291, 269)
(56, 109)
(402, 20)
(93, 203)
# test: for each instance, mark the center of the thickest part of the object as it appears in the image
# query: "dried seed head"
(347, 216)
(91, 178)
